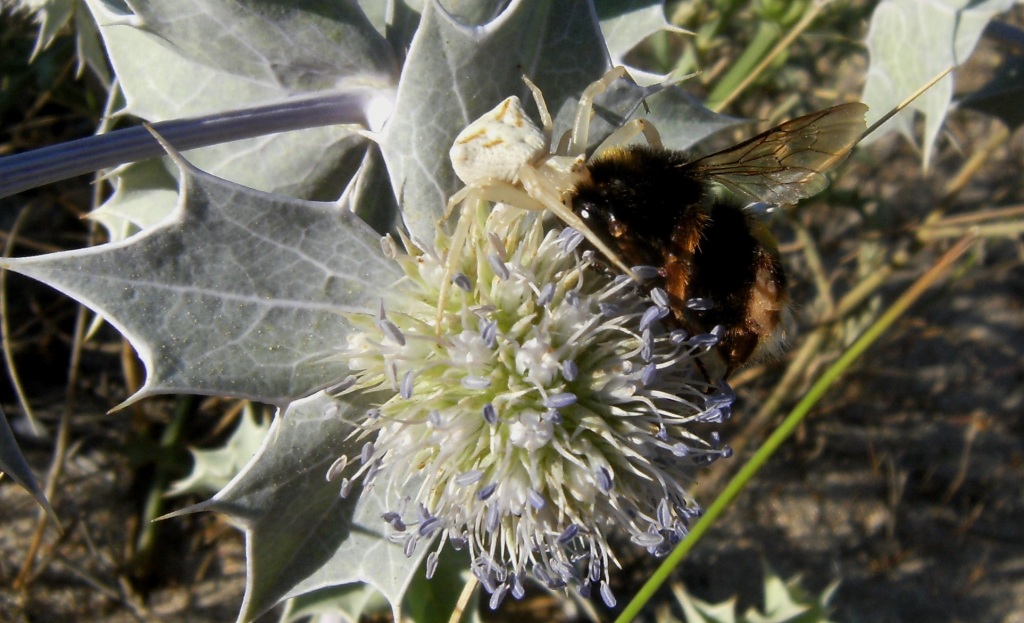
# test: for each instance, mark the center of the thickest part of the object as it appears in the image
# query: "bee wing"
(787, 163)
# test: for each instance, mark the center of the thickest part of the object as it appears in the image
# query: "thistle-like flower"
(550, 409)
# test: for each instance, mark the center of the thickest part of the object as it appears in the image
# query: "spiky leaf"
(910, 42)
(301, 536)
(236, 293)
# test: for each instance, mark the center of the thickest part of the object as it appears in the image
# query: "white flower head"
(543, 409)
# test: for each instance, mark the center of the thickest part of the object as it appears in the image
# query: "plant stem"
(739, 74)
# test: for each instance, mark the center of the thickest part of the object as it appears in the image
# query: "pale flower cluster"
(549, 409)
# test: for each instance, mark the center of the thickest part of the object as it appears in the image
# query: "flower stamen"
(543, 406)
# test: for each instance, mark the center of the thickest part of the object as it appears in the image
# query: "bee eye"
(596, 216)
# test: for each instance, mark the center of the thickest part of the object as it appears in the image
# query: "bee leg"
(707, 377)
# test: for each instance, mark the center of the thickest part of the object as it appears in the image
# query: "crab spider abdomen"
(497, 145)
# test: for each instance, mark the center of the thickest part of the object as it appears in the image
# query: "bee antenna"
(889, 115)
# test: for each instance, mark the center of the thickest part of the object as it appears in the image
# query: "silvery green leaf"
(784, 602)
(377, 14)
(683, 121)
(787, 601)
(301, 535)
(625, 23)
(89, 45)
(299, 46)
(254, 61)
(13, 463)
(213, 469)
(236, 293)
(910, 42)
(697, 611)
(369, 194)
(476, 13)
(339, 604)
(395, 20)
(51, 15)
(206, 68)
(144, 194)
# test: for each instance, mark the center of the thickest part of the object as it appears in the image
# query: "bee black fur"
(660, 207)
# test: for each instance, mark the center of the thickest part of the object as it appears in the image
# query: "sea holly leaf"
(697, 611)
(910, 42)
(213, 469)
(369, 194)
(337, 39)
(237, 293)
(681, 120)
(51, 15)
(301, 535)
(625, 23)
(396, 21)
(473, 13)
(89, 45)
(248, 66)
(13, 463)
(785, 601)
(350, 603)
(144, 194)
(253, 62)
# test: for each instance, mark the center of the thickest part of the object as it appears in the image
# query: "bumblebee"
(716, 260)
(646, 205)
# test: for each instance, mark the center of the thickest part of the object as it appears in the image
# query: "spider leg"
(628, 132)
(585, 109)
(491, 190)
(455, 200)
(563, 143)
(547, 122)
(550, 199)
(456, 244)
(500, 191)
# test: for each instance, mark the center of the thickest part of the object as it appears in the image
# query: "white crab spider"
(503, 157)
